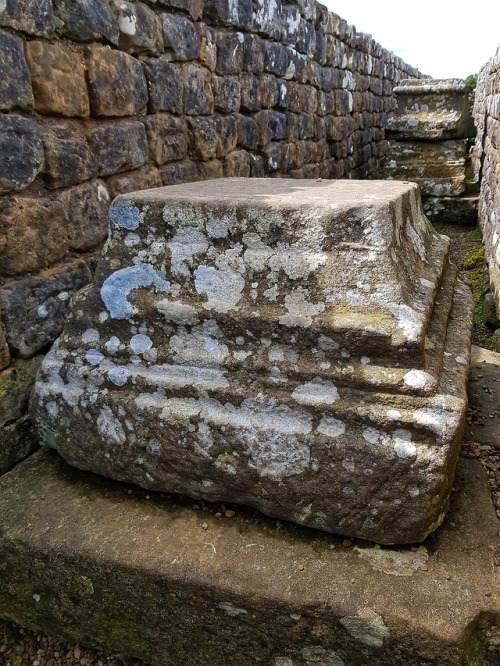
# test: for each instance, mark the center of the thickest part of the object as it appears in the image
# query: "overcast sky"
(443, 38)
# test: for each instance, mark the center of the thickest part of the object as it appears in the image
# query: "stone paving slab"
(484, 398)
(105, 564)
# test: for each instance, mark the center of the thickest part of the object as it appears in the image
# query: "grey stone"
(253, 55)
(140, 28)
(203, 137)
(227, 133)
(257, 341)
(34, 17)
(431, 109)
(490, 315)
(86, 214)
(226, 91)
(22, 152)
(116, 82)
(275, 59)
(230, 51)
(460, 210)
(17, 441)
(209, 170)
(272, 126)
(249, 92)
(179, 172)
(87, 20)
(208, 46)
(180, 37)
(247, 132)
(68, 159)
(165, 85)
(16, 383)
(118, 146)
(167, 138)
(237, 163)
(228, 12)
(34, 309)
(266, 18)
(15, 82)
(141, 179)
(193, 7)
(198, 95)
(254, 591)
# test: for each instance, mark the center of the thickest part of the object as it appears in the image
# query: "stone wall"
(486, 162)
(102, 97)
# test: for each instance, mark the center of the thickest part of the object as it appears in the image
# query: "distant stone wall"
(486, 165)
(101, 97)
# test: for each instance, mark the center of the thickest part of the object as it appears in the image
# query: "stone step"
(152, 576)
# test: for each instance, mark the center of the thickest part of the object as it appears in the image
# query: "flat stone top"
(424, 86)
(280, 192)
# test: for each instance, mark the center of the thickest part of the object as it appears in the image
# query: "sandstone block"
(4, 349)
(87, 20)
(58, 78)
(34, 17)
(34, 309)
(198, 95)
(227, 133)
(17, 441)
(15, 82)
(230, 50)
(32, 235)
(85, 214)
(209, 170)
(180, 172)
(180, 37)
(16, 383)
(140, 28)
(167, 138)
(203, 137)
(165, 85)
(247, 132)
(141, 179)
(208, 46)
(21, 150)
(226, 91)
(272, 126)
(437, 166)
(249, 92)
(117, 86)
(253, 55)
(237, 164)
(269, 91)
(68, 158)
(118, 146)
(431, 109)
(260, 359)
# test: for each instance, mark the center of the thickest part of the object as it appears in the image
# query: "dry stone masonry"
(103, 97)
(298, 346)
(486, 170)
(428, 134)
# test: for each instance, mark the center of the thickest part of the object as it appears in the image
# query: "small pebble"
(230, 514)
(300, 567)
(204, 526)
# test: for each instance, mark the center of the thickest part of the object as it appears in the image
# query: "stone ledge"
(107, 565)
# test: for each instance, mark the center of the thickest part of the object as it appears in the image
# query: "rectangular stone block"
(230, 51)
(167, 138)
(165, 85)
(17, 441)
(34, 309)
(180, 37)
(85, 214)
(227, 96)
(438, 167)
(431, 109)
(15, 82)
(203, 137)
(140, 179)
(86, 21)
(198, 95)
(117, 86)
(140, 28)
(118, 146)
(298, 346)
(68, 158)
(58, 78)
(33, 17)
(179, 172)
(21, 150)
(16, 383)
(32, 234)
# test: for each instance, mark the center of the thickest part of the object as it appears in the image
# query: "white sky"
(442, 38)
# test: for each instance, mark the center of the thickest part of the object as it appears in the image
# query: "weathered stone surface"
(438, 167)
(4, 349)
(227, 134)
(193, 7)
(117, 86)
(180, 172)
(237, 163)
(208, 46)
(198, 96)
(165, 85)
(253, 592)
(31, 234)
(230, 50)
(431, 109)
(15, 82)
(272, 126)
(485, 372)
(68, 158)
(21, 150)
(140, 28)
(118, 147)
(34, 309)
(259, 341)
(167, 138)
(249, 92)
(16, 383)
(180, 37)
(203, 137)
(141, 179)
(209, 170)
(451, 210)
(58, 78)
(17, 441)
(86, 214)
(34, 17)
(226, 91)
(247, 132)
(87, 20)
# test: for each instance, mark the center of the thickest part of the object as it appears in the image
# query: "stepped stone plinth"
(301, 347)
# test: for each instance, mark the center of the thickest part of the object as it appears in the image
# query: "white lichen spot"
(52, 409)
(110, 427)
(63, 296)
(200, 346)
(183, 246)
(414, 492)
(119, 375)
(415, 378)
(123, 214)
(217, 228)
(112, 345)
(347, 491)
(42, 311)
(367, 627)
(127, 21)
(276, 354)
(240, 340)
(140, 343)
(316, 392)
(36, 598)
(295, 616)
(119, 285)
(222, 287)
(232, 611)
(365, 360)
(90, 335)
(272, 293)
(300, 310)
(327, 344)
(461, 360)
(403, 446)
(331, 427)
(242, 355)
(103, 316)
(94, 357)
(131, 240)
(102, 193)
(177, 312)
(393, 414)
(371, 435)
